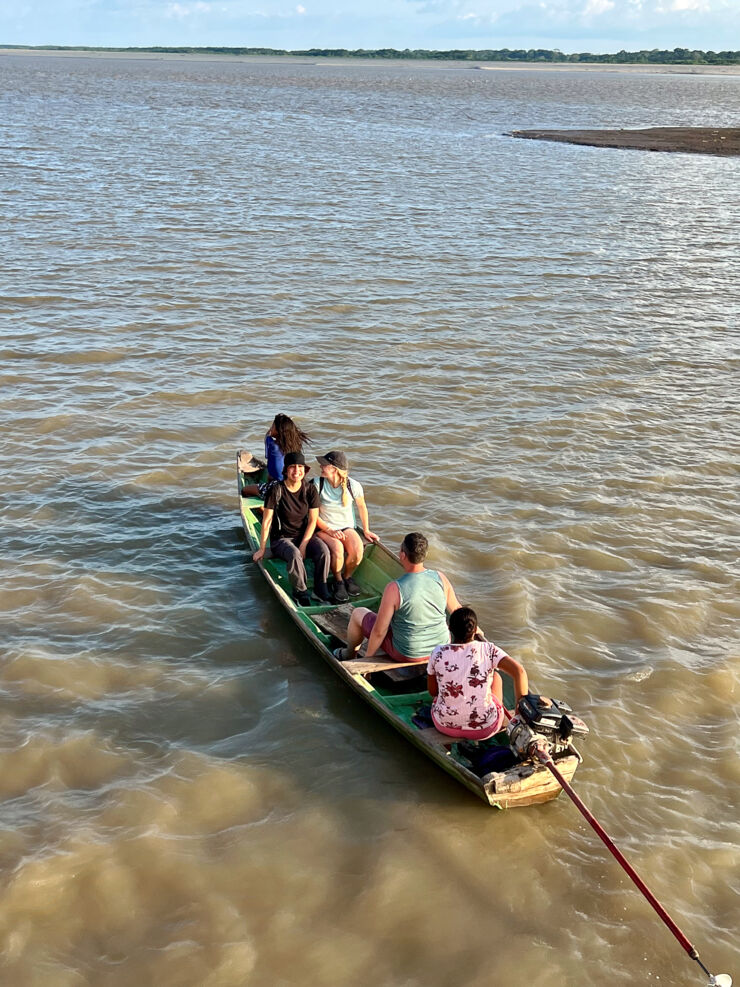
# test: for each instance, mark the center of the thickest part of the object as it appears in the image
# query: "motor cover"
(550, 723)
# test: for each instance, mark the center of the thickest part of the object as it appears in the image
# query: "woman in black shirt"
(289, 520)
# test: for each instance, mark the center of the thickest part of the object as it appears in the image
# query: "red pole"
(617, 853)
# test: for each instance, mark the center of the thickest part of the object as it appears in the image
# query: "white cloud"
(573, 25)
(188, 9)
(490, 11)
(595, 7)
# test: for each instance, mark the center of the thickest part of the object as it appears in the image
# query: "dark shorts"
(368, 622)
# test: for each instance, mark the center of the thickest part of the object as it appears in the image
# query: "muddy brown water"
(528, 351)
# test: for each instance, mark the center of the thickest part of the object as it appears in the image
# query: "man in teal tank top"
(411, 620)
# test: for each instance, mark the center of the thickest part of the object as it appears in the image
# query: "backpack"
(279, 490)
(277, 486)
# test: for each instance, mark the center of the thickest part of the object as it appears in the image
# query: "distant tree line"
(678, 56)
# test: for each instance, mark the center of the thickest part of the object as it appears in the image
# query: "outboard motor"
(548, 724)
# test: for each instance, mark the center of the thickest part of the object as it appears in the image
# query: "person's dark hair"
(463, 625)
(288, 436)
(415, 546)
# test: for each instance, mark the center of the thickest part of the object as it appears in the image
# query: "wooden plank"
(249, 463)
(433, 736)
(521, 801)
(529, 778)
(335, 621)
(399, 671)
(359, 666)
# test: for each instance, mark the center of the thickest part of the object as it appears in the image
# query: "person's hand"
(339, 535)
(331, 533)
(259, 554)
(370, 535)
(302, 549)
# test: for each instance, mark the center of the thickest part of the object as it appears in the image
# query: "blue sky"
(571, 25)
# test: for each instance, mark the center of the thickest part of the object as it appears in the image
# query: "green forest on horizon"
(655, 56)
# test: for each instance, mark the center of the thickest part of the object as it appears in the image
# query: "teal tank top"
(419, 624)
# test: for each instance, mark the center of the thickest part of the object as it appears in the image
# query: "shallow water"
(528, 350)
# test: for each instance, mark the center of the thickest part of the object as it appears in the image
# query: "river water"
(528, 350)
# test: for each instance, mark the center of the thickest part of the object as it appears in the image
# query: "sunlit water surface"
(529, 351)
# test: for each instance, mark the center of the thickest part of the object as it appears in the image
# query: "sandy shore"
(689, 140)
(328, 60)
(639, 68)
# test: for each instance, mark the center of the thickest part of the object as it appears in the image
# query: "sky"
(570, 25)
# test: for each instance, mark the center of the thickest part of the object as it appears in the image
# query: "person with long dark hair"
(282, 437)
(464, 682)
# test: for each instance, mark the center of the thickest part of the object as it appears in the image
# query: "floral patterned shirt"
(464, 674)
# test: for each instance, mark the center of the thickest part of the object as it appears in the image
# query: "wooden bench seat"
(364, 666)
(433, 736)
(336, 621)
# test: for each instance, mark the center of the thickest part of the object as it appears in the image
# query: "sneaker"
(340, 654)
(339, 593)
(302, 598)
(321, 592)
(351, 586)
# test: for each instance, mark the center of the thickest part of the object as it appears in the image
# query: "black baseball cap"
(337, 459)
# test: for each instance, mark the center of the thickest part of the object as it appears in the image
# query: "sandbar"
(639, 68)
(724, 141)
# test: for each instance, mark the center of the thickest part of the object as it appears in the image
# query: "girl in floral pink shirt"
(464, 683)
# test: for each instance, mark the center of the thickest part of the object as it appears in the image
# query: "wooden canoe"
(384, 684)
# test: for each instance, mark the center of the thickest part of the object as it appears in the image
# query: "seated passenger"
(282, 437)
(289, 519)
(338, 496)
(411, 617)
(465, 685)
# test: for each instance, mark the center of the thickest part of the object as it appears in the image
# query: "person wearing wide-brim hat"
(289, 520)
(338, 496)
